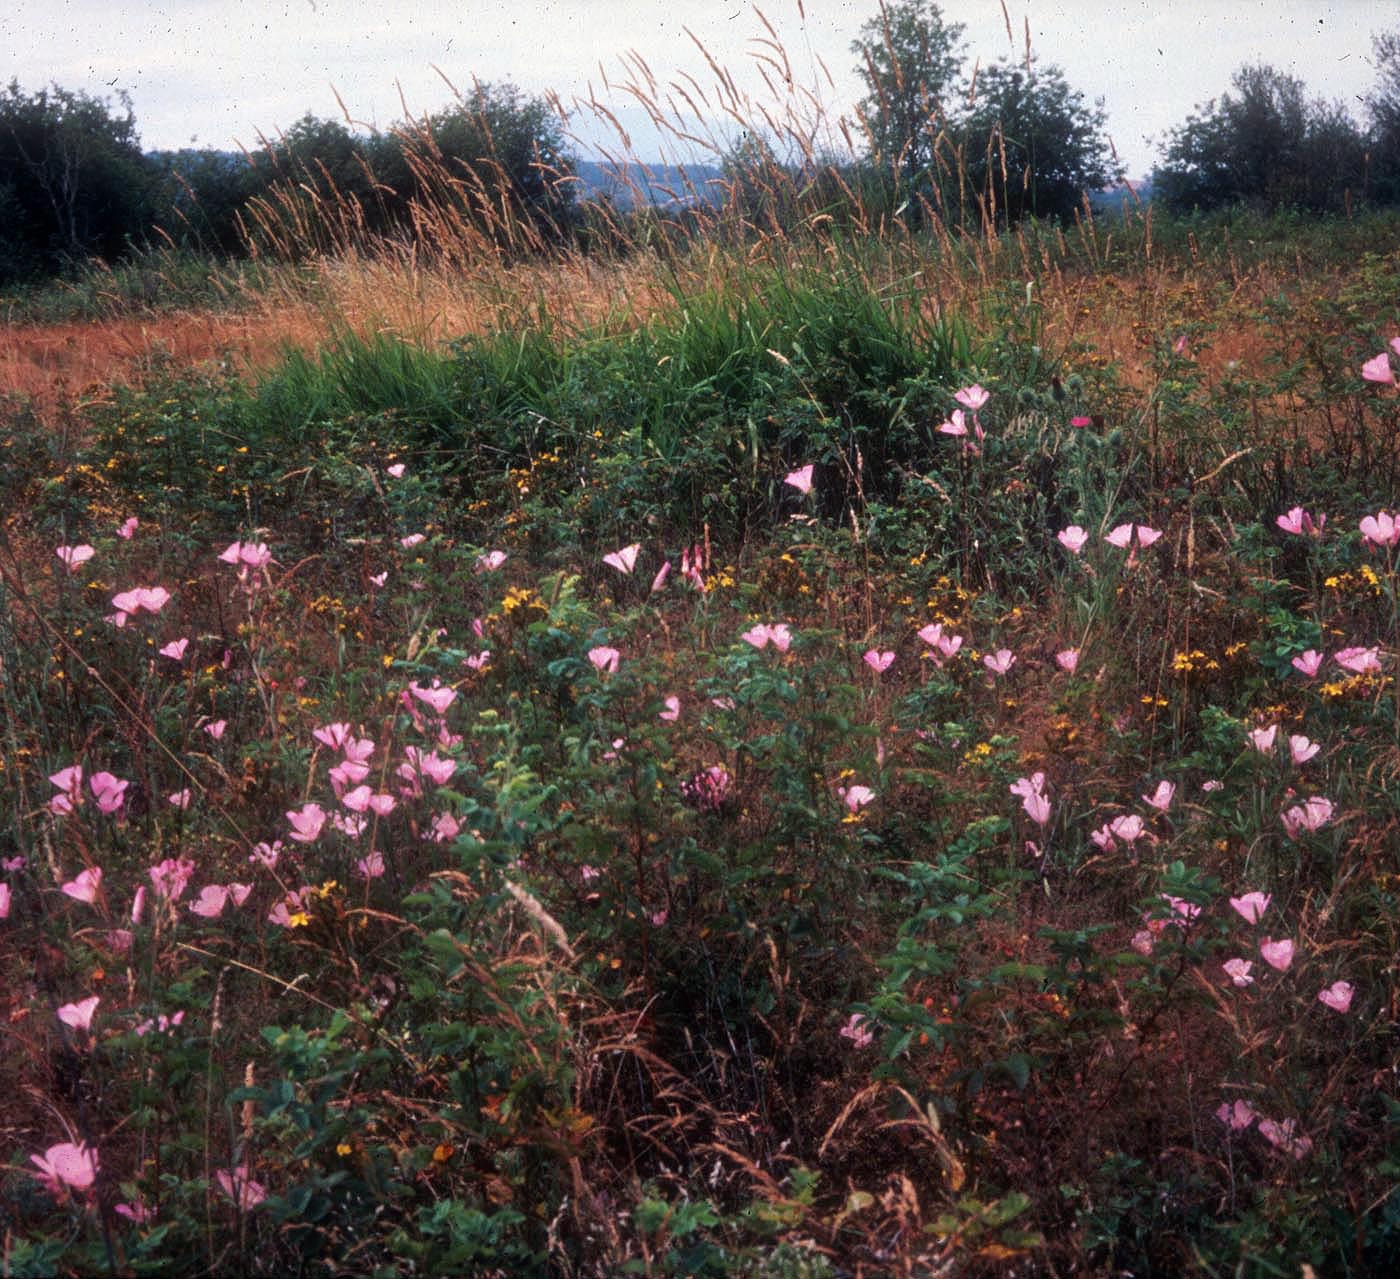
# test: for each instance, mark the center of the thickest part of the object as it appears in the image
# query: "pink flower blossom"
(1161, 798)
(1119, 536)
(1128, 827)
(75, 556)
(437, 697)
(4, 901)
(151, 598)
(266, 854)
(800, 479)
(1262, 739)
(1284, 1136)
(175, 649)
(1081, 421)
(1236, 1117)
(67, 1165)
(877, 661)
(624, 560)
(1300, 749)
(109, 791)
(212, 899)
(1146, 536)
(604, 658)
(372, 866)
(171, 877)
(444, 828)
(215, 728)
(1308, 663)
(1337, 996)
(1251, 906)
(1377, 369)
(128, 527)
(707, 789)
(79, 1016)
(1238, 971)
(378, 579)
(762, 635)
(1312, 816)
(955, 425)
(478, 661)
(1361, 661)
(136, 1212)
(1143, 942)
(931, 633)
(662, 574)
(180, 798)
(490, 561)
(1182, 345)
(856, 1032)
(396, 471)
(333, 735)
(246, 1193)
(972, 397)
(1067, 659)
(85, 886)
(1072, 538)
(1277, 954)
(999, 662)
(412, 540)
(673, 710)
(856, 797)
(1103, 838)
(306, 822)
(1381, 529)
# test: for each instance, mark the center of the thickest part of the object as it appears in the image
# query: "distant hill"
(662, 185)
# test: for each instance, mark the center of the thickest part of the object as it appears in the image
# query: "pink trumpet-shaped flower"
(151, 598)
(333, 735)
(1360, 661)
(67, 1165)
(955, 425)
(75, 556)
(180, 798)
(856, 1032)
(877, 661)
(1297, 520)
(1377, 369)
(372, 866)
(673, 710)
(1300, 749)
(241, 1188)
(1312, 815)
(1251, 906)
(438, 697)
(396, 471)
(212, 900)
(109, 791)
(1277, 954)
(1146, 536)
(307, 822)
(171, 877)
(1128, 828)
(412, 540)
(999, 662)
(175, 650)
(800, 479)
(1120, 536)
(1337, 996)
(1285, 1137)
(215, 728)
(1072, 538)
(1308, 663)
(972, 397)
(624, 560)
(1161, 798)
(931, 633)
(128, 527)
(85, 886)
(604, 658)
(662, 574)
(1262, 739)
(1067, 659)
(78, 1016)
(1236, 1117)
(1238, 971)
(1381, 529)
(4, 901)
(490, 561)
(857, 797)
(1037, 807)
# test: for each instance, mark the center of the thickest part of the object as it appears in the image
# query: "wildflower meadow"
(861, 755)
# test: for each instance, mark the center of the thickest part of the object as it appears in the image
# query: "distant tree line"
(936, 142)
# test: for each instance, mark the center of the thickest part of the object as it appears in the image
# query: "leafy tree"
(1264, 144)
(1383, 112)
(1030, 144)
(73, 181)
(910, 58)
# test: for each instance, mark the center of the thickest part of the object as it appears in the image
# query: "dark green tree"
(74, 183)
(1031, 145)
(1383, 116)
(1263, 144)
(910, 60)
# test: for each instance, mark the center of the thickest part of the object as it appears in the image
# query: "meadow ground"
(808, 757)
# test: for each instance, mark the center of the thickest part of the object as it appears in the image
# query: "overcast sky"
(217, 72)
